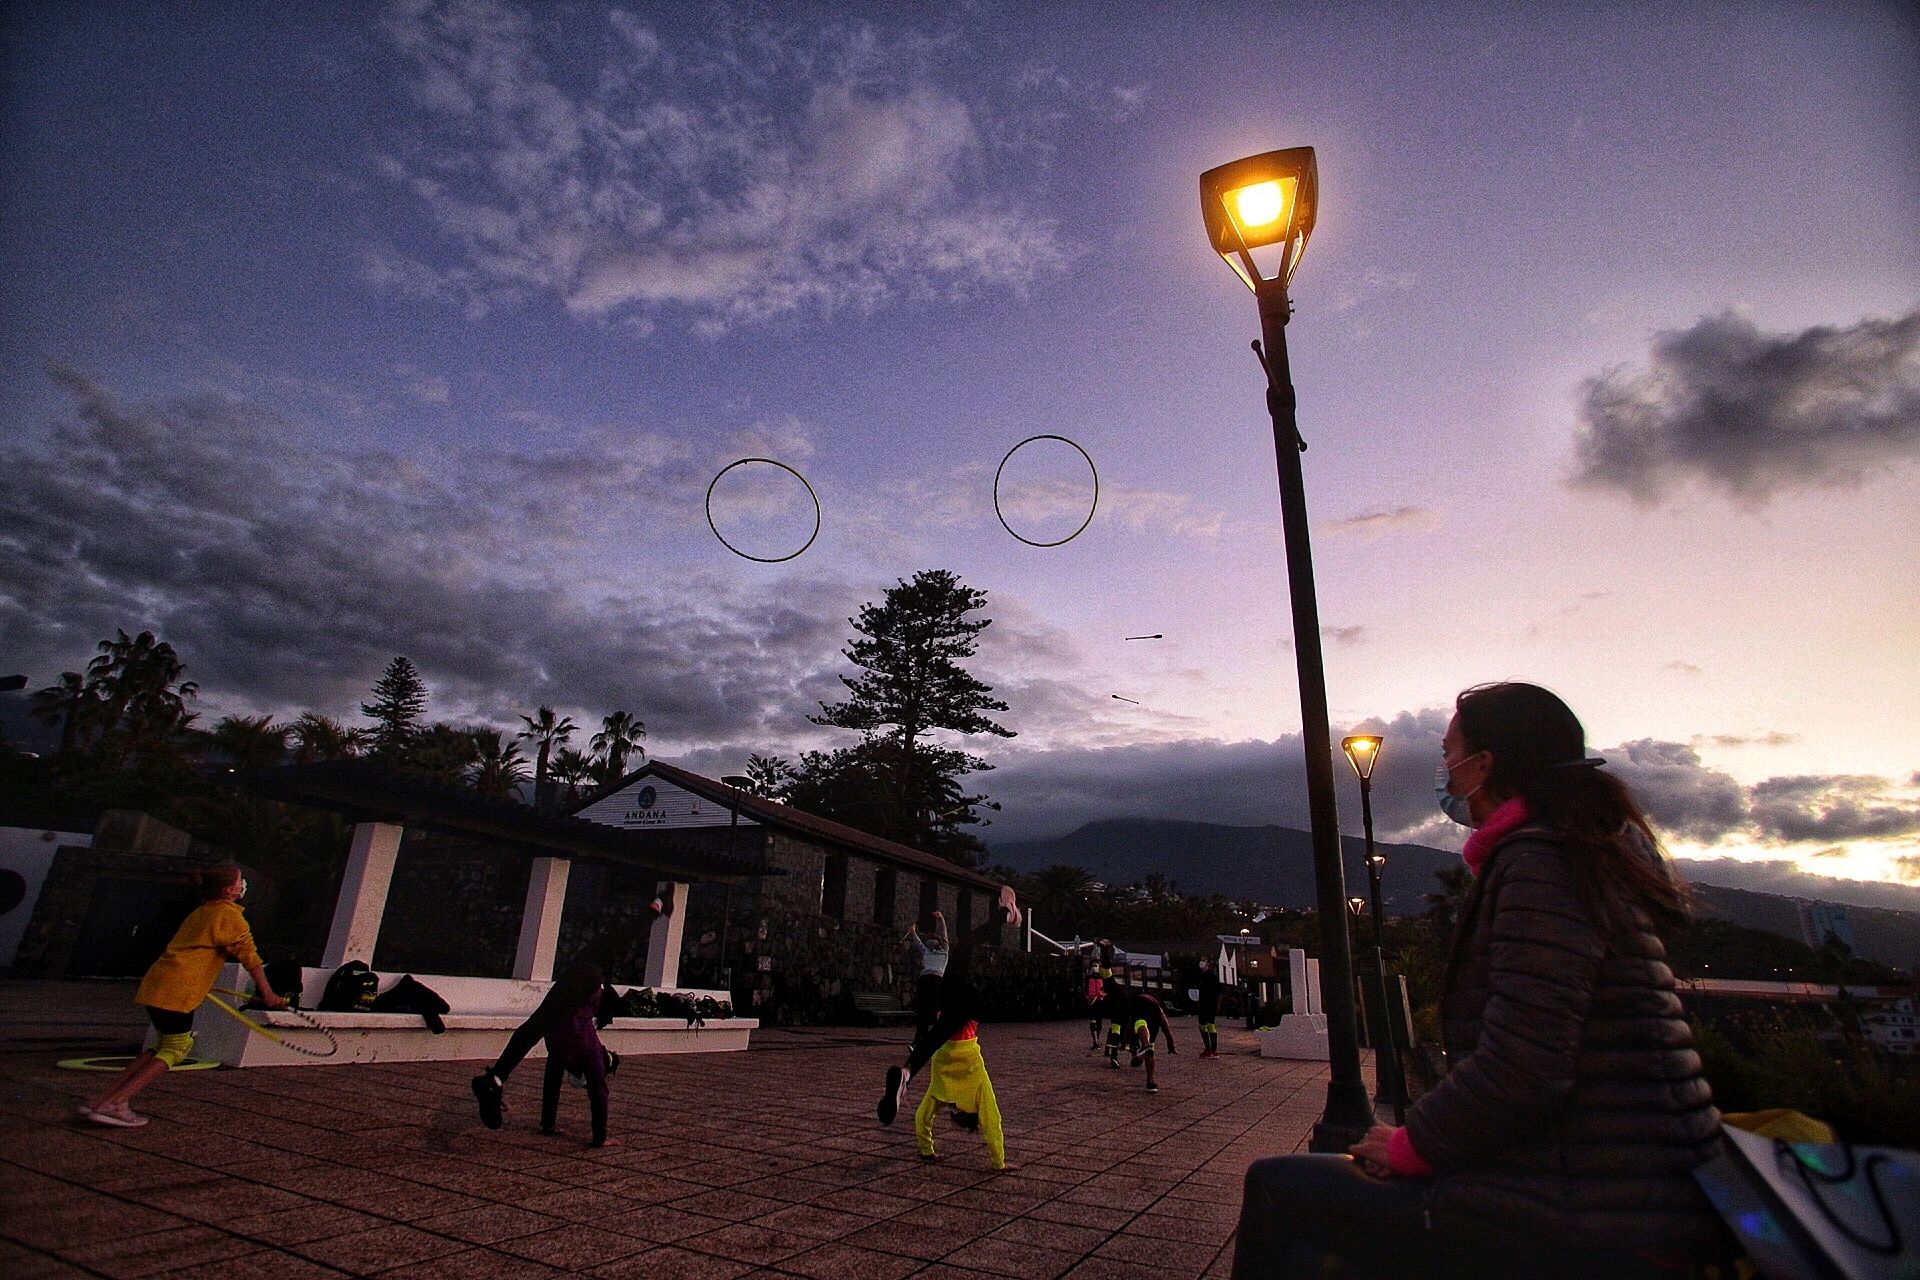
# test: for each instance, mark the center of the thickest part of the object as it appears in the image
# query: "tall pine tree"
(898, 782)
(399, 700)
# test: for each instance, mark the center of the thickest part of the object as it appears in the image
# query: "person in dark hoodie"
(1563, 1138)
(1207, 1010)
(582, 982)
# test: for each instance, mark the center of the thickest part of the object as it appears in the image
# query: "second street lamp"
(1259, 212)
(1363, 752)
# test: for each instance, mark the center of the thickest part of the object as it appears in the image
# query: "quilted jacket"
(1574, 1103)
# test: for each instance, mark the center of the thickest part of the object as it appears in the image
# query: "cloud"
(1377, 524)
(1753, 413)
(1682, 796)
(726, 171)
(1772, 738)
(1843, 807)
(288, 577)
(1787, 879)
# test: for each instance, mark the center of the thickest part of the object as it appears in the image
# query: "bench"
(880, 1008)
(484, 1013)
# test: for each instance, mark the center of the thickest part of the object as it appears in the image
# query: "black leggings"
(576, 983)
(1322, 1216)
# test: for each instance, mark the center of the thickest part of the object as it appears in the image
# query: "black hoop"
(1094, 506)
(745, 555)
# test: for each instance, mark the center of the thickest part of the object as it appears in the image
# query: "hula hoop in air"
(120, 1064)
(1092, 507)
(744, 555)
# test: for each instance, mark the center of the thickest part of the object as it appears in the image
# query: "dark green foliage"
(895, 782)
(399, 700)
(1759, 1057)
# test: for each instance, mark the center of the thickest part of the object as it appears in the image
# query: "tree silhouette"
(249, 742)
(317, 737)
(546, 731)
(74, 703)
(499, 767)
(911, 685)
(619, 736)
(399, 700)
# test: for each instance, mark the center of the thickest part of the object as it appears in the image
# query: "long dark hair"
(1539, 753)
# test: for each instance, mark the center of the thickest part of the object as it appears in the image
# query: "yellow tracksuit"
(957, 1074)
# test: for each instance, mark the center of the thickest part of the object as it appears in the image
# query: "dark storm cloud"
(1047, 793)
(288, 577)
(1832, 808)
(1681, 795)
(1754, 413)
(1788, 880)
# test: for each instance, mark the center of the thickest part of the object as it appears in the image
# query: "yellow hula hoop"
(333, 1046)
(119, 1063)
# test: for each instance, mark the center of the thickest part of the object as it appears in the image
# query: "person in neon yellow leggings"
(179, 980)
(959, 1079)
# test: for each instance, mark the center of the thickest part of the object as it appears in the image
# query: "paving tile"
(1012, 1258)
(489, 1224)
(156, 1251)
(573, 1246)
(264, 1264)
(668, 1262)
(377, 1250)
(748, 1242)
(845, 1262)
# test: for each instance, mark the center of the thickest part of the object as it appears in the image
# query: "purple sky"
(336, 332)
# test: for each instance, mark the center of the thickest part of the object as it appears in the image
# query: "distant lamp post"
(1363, 752)
(1259, 212)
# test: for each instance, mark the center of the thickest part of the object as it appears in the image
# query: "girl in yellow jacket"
(179, 980)
(959, 1079)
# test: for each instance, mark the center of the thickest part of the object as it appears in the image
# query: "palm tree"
(1443, 908)
(318, 737)
(139, 677)
(499, 766)
(619, 735)
(546, 731)
(571, 768)
(74, 703)
(250, 742)
(604, 773)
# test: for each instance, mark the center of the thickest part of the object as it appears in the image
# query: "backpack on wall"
(352, 989)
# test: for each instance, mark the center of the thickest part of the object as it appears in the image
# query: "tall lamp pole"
(1259, 212)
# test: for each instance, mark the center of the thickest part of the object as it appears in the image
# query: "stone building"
(828, 920)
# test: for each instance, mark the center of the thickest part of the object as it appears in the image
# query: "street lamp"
(1259, 212)
(1363, 753)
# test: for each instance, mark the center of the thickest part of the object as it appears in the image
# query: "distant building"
(1820, 921)
(1894, 1027)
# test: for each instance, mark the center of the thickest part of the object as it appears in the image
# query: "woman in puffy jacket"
(1563, 1137)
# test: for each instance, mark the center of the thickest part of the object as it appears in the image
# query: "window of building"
(885, 882)
(929, 900)
(963, 915)
(833, 887)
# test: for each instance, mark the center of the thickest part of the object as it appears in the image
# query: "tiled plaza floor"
(764, 1163)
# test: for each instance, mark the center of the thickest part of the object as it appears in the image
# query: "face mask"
(243, 889)
(1459, 808)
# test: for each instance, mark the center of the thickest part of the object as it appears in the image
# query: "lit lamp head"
(1362, 749)
(1259, 212)
(1357, 905)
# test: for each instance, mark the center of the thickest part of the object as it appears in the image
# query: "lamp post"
(737, 782)
(1363, 753)
(1259, 212)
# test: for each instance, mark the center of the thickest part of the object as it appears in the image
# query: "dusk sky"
(336, 332)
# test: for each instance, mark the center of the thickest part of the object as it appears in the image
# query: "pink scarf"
(1508, 818)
